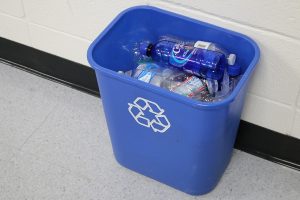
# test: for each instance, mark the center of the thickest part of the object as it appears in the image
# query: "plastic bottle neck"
(146, 48)
(149, 49)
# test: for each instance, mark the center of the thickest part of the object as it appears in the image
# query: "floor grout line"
(37, 128)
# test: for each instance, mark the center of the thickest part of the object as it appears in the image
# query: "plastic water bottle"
(187, 85)
(230, 79)
(203, 45)
(234, 73)
(214, 81)
(217, 48)
(225, 86)
(151, 73)
(126, 73)
(173, 80)
(190, 59)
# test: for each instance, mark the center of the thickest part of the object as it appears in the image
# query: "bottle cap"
(231, 59)
(212, 74)
(234, 70)
(144, 48)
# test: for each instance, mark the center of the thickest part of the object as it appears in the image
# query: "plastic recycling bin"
(178, 141)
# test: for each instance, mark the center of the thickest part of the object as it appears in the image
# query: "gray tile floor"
(54, 144)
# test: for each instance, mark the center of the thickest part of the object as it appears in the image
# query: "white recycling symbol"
(159, 124)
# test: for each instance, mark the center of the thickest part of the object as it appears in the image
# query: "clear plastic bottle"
(230, 79)
(234, 73)
(174, 80)
(126, 73)
(187, 85)
(213, 81)
(171, 79)
(225, 87)
(152, 73)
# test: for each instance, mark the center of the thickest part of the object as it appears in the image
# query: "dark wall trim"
(268, 144)
(251, 138)
(49, 66)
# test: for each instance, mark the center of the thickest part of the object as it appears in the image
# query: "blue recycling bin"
(175, 140)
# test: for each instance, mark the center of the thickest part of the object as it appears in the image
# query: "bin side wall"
(191, 155)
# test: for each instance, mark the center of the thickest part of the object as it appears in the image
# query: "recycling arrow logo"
(160, 123)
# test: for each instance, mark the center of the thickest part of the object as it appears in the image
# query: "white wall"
(66, 28)
(61, 27)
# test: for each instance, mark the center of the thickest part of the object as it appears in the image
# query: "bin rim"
(160, 91)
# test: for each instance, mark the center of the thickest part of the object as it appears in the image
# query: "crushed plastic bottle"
(192, 60)
(234, 73)
(214, 81)
(230, 79)
(132, 48)
(187, 85)
(171, 79)
(225, 88)
(152, 73)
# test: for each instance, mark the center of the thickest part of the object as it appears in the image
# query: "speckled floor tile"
(54, 144)
(7, 151)
(75, 136)
(26, 177)
(25, 103)
(247, 177)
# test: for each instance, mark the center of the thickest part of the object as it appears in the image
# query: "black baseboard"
(49, 66)
(268, 144)
(251, 138)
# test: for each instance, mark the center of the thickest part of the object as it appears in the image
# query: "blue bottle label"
(195, 60)
(180, 55)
